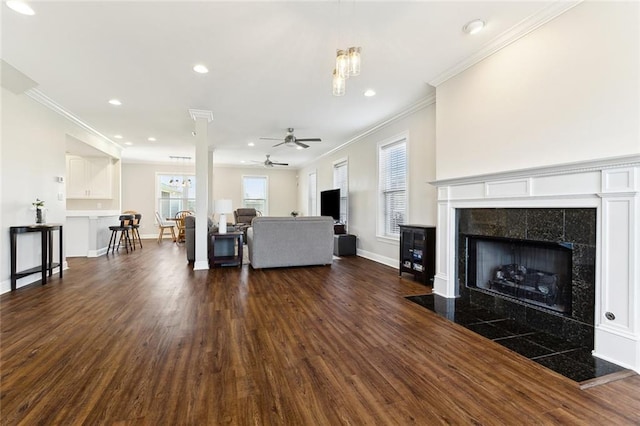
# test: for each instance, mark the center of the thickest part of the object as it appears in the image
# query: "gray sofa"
(290, 241)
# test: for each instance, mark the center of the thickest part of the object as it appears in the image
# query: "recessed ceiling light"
(299, 147)
(115, 102)
(370, 92)
(474, 26)
(251, 144)
(118, 136)
(242, 161)
(200, 69)
(20, 7)
(151, 139)
(128, 143)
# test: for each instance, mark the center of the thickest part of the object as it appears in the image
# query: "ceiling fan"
(269, 163)
(292, 141)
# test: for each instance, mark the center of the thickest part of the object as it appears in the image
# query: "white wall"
(566, 92)
(32, 157)
(362, 172)
(139, 190)
(139, 186)
(283, 190)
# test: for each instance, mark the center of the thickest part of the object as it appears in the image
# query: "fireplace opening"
(532, 272)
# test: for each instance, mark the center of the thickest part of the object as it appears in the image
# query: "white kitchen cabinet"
(89, 177)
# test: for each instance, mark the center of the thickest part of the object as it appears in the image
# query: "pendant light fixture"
(339, 84)
(354, 61)
(342, 64)
(347, 65)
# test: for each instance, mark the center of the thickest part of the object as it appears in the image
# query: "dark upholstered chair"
(243, 218)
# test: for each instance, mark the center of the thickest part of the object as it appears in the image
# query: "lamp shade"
(223, 206)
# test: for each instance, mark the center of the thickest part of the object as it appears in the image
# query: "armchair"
(243, 218)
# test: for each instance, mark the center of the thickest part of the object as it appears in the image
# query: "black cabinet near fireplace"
(418, 252)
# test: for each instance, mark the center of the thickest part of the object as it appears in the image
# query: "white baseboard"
(388, 261)
(97, 253)
(200, 264)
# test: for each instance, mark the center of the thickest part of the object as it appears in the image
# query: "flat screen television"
(330, 203)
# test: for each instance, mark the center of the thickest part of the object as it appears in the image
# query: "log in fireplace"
(533, 272)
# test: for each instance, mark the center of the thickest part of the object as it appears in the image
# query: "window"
(313, 194)
(254, 193)
(175, 193)
(341, 181)
(392, 187)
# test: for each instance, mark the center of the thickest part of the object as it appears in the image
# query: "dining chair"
(163, 226)
(180, 223)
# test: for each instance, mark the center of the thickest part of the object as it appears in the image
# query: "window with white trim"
(341, 181)
(175, 192)
(254, 193)
(392, 187)
(313, 194)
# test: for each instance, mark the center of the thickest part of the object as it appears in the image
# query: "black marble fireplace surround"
(570, 228)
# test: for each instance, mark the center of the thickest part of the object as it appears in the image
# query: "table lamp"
(222, 207)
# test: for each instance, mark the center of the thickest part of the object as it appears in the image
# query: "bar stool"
(135, 227)
(125, 226)
(135, 230)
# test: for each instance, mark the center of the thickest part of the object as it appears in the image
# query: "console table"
(46, 240)
(235, 258)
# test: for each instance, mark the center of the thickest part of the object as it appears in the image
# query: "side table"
(227, 260)
(46, 240)
(344, 245)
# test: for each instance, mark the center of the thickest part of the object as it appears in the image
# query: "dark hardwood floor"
(141, 338)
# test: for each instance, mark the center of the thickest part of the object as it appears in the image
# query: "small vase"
(39, 216)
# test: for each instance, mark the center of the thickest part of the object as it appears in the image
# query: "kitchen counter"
(87, 232)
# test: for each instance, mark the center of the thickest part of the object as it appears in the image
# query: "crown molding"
(553, 170)
(516, 32)
(41, 98)
(423, 103)
(201, 113)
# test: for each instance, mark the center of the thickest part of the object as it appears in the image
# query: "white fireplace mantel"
(612, 187)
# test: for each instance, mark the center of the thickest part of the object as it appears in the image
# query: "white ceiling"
(270, 66)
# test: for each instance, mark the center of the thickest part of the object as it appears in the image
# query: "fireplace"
(533, 265)
(533, 272)
(592, 205)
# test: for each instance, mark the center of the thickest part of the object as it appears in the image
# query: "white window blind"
(341, 181)
(392, 170)
(254, 193)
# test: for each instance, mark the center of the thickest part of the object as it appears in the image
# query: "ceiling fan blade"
(278, 144)
(280, 164)
(310, 140)
(304, 145)
(271, 139)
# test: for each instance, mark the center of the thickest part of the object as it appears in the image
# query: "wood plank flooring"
(141, 338)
